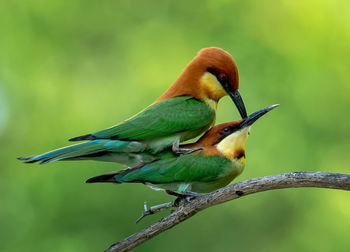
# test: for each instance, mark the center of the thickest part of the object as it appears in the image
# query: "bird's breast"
(238, 165)
(211, 103)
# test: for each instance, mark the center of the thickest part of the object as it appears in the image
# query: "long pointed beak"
(237, 99)
(255, 116)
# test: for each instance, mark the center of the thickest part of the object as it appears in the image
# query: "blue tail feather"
(88, 149)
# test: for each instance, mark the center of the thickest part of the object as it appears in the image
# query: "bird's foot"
(185, 197)
(155, 209)
(181, 151)
(189, 196)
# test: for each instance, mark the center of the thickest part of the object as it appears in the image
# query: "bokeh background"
(73, 67)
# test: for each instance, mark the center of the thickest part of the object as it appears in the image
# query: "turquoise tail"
(96, 149)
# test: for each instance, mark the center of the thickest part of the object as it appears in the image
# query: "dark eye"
(222, 77)
(227, 129)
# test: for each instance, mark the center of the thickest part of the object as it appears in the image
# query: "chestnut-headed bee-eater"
(220, 161)
(186, 110)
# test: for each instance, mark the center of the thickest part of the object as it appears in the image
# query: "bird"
(220, 161)
(186, 110)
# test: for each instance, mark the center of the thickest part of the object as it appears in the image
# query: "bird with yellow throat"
(221, 159)
(186, 110)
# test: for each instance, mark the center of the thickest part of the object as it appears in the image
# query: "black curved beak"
(255, 116)
(237, 99)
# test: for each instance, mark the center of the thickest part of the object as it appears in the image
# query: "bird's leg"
(155, 209)
(186, 195)
(190, 196)
(178, 150)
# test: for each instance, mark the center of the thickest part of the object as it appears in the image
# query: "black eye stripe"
(213, 71)
(222, 78)
(229, 130)
(224, 134)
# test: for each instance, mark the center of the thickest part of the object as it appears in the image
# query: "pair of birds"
(149, 142)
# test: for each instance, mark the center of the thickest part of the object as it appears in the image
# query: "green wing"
(186, 169)
(161, 119)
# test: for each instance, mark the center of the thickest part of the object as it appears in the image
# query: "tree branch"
(231, 192)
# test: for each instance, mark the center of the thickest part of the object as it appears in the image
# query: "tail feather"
(117, 177)
(83, 138)
(105, 178)
(69, 152)
(27, 159)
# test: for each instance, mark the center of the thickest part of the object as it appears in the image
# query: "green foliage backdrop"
(74, 67)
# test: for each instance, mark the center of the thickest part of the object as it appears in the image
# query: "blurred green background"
(73, 67)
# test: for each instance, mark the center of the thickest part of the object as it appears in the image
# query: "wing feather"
(161, 119)
(186, 168)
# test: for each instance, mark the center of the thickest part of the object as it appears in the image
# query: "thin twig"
(154, 209)
(231, 192)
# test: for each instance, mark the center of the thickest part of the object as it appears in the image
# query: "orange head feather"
(213, 60)
(220, 63)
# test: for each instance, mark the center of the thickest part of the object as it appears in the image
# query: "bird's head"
(211, 75)
(218, 76)
(230, 138)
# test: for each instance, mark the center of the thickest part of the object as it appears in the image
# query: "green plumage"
(138, 140)
(163, 119)
(186, 173)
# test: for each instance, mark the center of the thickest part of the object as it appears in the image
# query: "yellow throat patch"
(234, 144)
(211, 89)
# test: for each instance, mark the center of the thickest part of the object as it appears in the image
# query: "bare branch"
(231, 192)
(155, 209)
